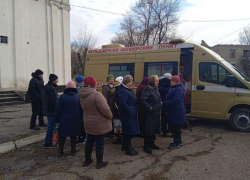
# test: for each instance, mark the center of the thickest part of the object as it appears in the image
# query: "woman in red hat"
(97, 120)
(176, 113)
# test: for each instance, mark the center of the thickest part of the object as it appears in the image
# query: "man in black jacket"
(50, 97)
(35, 90)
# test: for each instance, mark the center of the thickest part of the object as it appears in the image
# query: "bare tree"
(83, 41)
(149, 22)
(244, 36)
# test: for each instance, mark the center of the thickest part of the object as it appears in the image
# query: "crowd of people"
(83, 112)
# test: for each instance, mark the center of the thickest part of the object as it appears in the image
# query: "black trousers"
(176, 131)
(83, 133)
(126, 143)
(164, 124)
(62, 143)
(37, 110)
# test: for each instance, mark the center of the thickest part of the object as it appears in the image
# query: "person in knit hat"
(116, 109)
(80, 83)
(164, 87)
(79, 79)
(50, 98)
(35, 90)
(97, 121)
(176, 113)
(68, 114)
(167, 75)
(108, 90)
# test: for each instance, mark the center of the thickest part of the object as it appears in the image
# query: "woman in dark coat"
(68, 114)
(115, 107)
(128, 110)
(108, 90)
(176, 113)
(151, 102)
(141, 113)
(164, 87)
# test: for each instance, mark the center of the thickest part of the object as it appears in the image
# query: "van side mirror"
(230, 81)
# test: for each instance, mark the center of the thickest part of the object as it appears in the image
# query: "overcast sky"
(105, 25)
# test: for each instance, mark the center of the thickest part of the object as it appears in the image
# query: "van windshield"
(235, 70)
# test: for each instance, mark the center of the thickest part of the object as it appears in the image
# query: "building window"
(212, 73)
(246, 53)
(4, 39)
(122, 69)
(232, 53)
(160, 68)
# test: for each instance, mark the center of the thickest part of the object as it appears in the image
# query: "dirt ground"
(211, 150)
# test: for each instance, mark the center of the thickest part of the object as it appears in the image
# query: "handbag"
(117, 126)
(55, 137)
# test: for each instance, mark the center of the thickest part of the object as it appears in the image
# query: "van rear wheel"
(240, 120)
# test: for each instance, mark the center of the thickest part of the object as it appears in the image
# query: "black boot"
(123, 148)
(73, 145)
(88, 160)
(118, 140)
(152, 144)
(99, 156)
(33, 123)
(129, 149)
(164, 135)
(61, 146)
(146, 147)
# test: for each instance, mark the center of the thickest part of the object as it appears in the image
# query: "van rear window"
(160, 68)
(122, 69)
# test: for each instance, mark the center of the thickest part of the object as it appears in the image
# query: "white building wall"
(38, 34)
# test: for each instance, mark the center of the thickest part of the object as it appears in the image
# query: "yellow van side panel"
(210, 102)
(139, 72)
(162, 57)
(98, 71)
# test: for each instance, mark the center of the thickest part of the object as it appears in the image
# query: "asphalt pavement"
(211, 150)
(15, 121)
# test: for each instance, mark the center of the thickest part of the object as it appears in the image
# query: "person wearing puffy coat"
(176, 113)
(116, 108)
(164, 87)
(108, 90)
(128, 110)
(35, 90)
(151, 102)
(97, 120)
(141, 113)
(68, 114)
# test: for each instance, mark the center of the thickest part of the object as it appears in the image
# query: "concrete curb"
(12, 145)
(6, 147)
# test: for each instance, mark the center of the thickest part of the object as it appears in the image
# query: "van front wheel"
(240, 120)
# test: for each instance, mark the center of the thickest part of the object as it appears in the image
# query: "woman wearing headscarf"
(68, 114)
(128, 110)
(108, 90)
(164, 87)
(151, 102)
(141, 113)
(97, 121)
(115, 107)
(176, 113)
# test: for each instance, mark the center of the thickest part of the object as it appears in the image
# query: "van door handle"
(239, 94)
(200, 87)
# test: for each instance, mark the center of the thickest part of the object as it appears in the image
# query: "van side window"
(122, 69)
(160, 68)
(212, 73)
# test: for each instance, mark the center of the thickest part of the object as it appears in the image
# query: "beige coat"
(97, 114)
